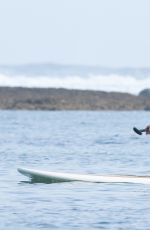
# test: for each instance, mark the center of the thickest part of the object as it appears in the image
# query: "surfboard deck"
(54, 177)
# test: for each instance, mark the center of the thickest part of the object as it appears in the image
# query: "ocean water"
(80, 142)
(131, 80)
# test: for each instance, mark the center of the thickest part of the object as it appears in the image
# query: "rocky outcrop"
(145, 93)
(63, 99)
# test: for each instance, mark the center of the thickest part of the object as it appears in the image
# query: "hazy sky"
(92, 32)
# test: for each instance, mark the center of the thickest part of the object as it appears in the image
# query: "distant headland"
(19, 98)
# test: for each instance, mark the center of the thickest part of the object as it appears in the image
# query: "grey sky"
(93, 32)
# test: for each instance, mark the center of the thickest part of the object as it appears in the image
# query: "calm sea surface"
(80, 142)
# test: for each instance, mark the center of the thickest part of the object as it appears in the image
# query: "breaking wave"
(112, 82)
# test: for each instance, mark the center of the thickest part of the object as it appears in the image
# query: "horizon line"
(71, 65)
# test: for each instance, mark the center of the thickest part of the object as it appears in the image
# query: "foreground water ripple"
(80, 142)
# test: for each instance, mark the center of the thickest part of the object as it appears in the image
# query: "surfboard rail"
(51, 177)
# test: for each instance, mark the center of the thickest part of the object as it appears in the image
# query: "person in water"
(148, 129)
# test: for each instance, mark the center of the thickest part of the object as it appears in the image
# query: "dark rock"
(145, 93)
(147, 108)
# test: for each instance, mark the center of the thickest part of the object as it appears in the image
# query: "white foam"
(109, 83)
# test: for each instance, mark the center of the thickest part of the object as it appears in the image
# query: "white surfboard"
(51, 177)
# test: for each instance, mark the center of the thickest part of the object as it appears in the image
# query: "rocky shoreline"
(18, 98)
